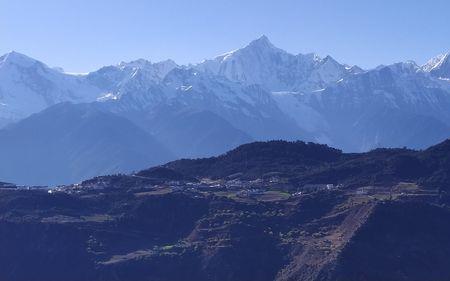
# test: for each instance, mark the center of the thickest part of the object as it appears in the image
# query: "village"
(268, 189)
(262, 189)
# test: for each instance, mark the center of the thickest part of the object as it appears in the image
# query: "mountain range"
(255, 93)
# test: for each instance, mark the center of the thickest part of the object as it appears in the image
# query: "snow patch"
(108, 96)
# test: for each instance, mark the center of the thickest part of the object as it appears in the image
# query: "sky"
(83, 35)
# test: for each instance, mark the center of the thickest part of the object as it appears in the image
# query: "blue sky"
(83, 35)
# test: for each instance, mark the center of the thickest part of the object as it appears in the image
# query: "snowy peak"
(330, 61)
(28, 86)
(260, 62)
(261, 47)
(130, 76)
(330, 64)
(261, 43)
(435, 62)
(17, 59)
(326, 71)
(143, 63)
(164, 67)
(354, 69)
(262, 40)
(408, 67)
(154, 71)
(139, 63)
(439, 66)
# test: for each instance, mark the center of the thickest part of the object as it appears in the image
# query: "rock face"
(374, 216)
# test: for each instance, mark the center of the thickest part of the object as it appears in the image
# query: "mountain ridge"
(275, 211)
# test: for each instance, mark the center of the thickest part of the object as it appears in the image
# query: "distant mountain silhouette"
(68, 143)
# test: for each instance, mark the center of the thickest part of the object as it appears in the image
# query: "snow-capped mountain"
(439, 66)
(366, 110)
(250, 109)
(347, 106)
(258, 92)
(125, 77)
(260, 62)
(28, 86)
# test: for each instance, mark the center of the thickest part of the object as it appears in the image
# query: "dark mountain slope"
(416, 236)
(437, 160)
(169, 223)
(258, 158)
(130, 235)
(312, 163)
